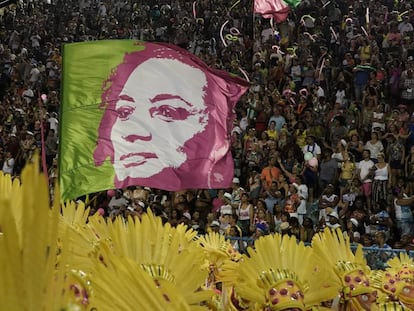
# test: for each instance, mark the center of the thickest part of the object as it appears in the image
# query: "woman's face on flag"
(160, 107)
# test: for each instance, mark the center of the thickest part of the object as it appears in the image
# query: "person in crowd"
(117, 202)
(328, 202)
(409, 168)
(236, 192)
(401, 208)
(378, 259)
(270, 174)
(380, 219)
(333, 220)
(245, 214)
(277, 118)
(227, 207)
(355, 146)
(347, 172)
(396, 157)
(307, 230)
(381, 180)
(215, 226)
(328, 169)
(8, 164)
(365, 174)
(254, 185)
(374, 145)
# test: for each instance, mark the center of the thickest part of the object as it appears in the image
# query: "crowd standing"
(324, 137)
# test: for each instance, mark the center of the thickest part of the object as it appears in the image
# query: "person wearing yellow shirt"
(348, 168)
(300, 134)
(365, 51)
(271, 131)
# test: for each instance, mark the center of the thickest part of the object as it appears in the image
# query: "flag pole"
(42, 139)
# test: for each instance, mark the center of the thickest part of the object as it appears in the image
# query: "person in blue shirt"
(361, 78)
(378, 259)
(277, 118)
(380, 219)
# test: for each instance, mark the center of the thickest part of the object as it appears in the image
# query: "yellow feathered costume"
(33, 262)
(67, 261)
(349, 271)
(277, 274)
(397, 282)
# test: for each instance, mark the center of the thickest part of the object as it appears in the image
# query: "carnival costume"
(278, 274)
(349, 271)
(397, 282)
(53, 261)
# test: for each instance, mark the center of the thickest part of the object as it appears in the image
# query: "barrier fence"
(376, 257)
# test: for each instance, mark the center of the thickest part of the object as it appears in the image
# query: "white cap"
(334, 214)
(237, 130)
(354, 222)
(227, 195)
(236, 180)
(215, 223)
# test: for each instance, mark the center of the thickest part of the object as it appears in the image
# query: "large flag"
(150, 114)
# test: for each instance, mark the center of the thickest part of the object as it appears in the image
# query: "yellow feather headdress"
(169, 256)
(33, 263)
(133, 264)
(398, 279)
(217, 249)
(350, 271)
(278, 273)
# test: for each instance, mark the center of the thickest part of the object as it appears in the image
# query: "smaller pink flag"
(276, 9)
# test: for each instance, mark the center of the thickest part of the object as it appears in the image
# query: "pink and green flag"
(276, 9)
(139, 113)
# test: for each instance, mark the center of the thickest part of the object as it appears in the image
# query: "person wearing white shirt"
(28, 95)
(405, 26)
(117, 202)
(302, 191)
(312, 147)
(244, 121)
(328, 202)
(364, 172)
(53, 122)
(320, 92)
(226, 208)
(8, 164)
(340, 96)
(102, 10)
(374, 145)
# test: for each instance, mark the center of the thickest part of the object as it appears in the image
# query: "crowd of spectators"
(323, 137)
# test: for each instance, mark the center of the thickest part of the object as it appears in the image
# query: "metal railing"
(376, 257)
